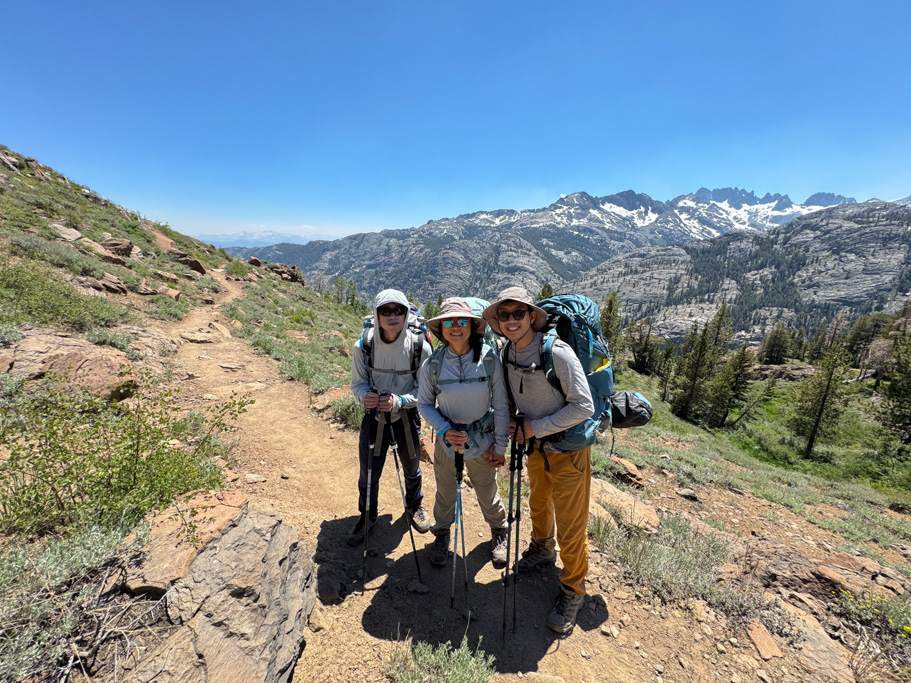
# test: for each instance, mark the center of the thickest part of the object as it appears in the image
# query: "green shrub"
(208, 285)
(9, 335)
(108, 338)
(75, 458)
(34, 295)
(237, 268)
(347, 411)
(422, 663)
(164, 307)
(676, 563)
(50, 594)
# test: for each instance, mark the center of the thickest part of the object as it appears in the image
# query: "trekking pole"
(521, 451)
(459, 522)
(395, 456)
(378, 438)
(514, 451)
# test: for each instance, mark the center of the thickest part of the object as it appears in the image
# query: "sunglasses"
(390, 312)
(463, 322)
(503, 316)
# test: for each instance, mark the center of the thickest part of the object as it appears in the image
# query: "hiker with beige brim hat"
(560, 481)
(462, 396)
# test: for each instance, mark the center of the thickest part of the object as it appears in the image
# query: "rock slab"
(242, 605)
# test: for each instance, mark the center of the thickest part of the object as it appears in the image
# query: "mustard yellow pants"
(559, 503)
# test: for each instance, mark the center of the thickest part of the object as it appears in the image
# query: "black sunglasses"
(390, 312)
(519, 314)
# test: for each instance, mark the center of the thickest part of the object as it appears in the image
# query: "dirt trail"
(281, 435)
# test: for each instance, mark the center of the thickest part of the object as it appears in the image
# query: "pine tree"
(895, 413)
(546, 292)
(775, 346)
(666, 365)
(611, 330)
(695, 368)
(821, 399)
(639, 342)
(816, 346)
(721, 329)
(728, 389)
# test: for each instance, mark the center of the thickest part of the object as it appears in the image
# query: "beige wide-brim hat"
(454, 307)
(519, 294)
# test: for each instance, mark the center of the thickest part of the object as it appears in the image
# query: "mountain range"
(252, 239)
(483, 252)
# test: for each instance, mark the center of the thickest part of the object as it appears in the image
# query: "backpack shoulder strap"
(547, 358)
(435, 360)
(367, 346)
(417, 348)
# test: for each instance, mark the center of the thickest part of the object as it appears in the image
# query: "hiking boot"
(418, 518)
(356, 536)
(498, 547)
(563, 618)
(536, 555)
(439, 551)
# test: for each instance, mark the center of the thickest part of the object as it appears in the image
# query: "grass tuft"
(421, 662)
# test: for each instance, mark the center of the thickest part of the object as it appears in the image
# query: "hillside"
(488, 250)
(854, 259)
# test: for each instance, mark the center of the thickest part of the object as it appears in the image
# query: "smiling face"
(457, 336)
(515, 330)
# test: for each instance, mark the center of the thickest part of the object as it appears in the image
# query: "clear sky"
(338, 117)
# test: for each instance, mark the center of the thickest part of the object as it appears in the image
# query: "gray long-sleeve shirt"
(546, 407)
(463, 402)
(395, 357)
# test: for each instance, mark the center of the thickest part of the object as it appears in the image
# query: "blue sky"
(338, 117)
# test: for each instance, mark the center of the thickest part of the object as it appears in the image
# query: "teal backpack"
(576, 320)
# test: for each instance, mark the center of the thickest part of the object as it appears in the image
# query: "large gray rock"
(241, 604)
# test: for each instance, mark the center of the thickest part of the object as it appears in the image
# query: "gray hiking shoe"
(498, 547)
(536, 555)
(419, 519)
(439, 551)
(563, 618)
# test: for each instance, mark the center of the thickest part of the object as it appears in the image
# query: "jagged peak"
(828, 199)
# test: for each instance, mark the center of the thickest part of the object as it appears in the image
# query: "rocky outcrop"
(103, 369)
(626, 509)
(187, 260)
(240, 590)
(786, 373)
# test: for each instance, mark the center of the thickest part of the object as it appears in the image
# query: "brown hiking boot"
(536, 555)
(498, 547)
(563, 618)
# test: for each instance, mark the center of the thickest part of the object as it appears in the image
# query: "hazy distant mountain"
(252, 239)
(853, 258)
(904, 202)
(483, 252)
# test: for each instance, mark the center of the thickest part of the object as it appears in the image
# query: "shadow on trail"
(394, 612)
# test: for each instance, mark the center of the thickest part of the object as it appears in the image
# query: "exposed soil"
(310, 470)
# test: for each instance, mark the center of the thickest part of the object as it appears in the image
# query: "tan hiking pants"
(483, 479)
(561, 495)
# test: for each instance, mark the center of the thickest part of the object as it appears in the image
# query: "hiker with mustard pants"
(384, 372)
(560, 481)
(462, 396)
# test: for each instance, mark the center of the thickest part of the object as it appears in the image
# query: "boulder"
(103, 369)
(69, 234)
(121, 247)
(630, 474)
(626, 509)
(253, 261)
(762, 639)
(100, 251)
(187, 260)
(817, 650)
(786, 373)
(242, 603)
(113, 284)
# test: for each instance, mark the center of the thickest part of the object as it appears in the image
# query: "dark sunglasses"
(390, 312)
(463, 322)
(503, 316)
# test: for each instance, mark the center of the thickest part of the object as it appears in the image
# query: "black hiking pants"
(411, 462)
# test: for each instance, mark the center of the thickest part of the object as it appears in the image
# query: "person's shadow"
(478, 614)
